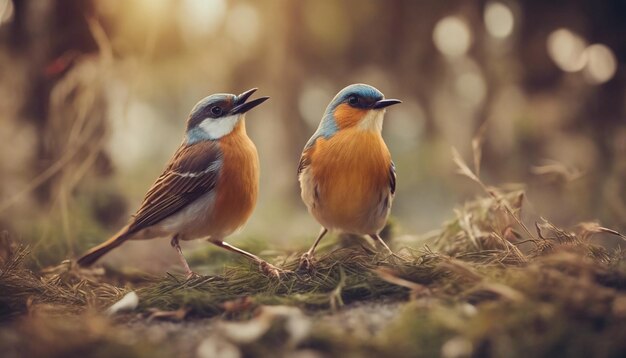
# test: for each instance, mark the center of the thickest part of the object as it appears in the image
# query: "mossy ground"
(485, 285)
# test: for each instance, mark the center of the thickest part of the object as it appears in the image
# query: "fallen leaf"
(128, 303)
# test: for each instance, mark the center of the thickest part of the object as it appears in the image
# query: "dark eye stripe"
(215, 109)
(357, 101)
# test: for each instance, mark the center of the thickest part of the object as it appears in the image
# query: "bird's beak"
(241, 106)
(386, 103)
(242, 98)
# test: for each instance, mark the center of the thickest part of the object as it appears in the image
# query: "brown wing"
(192, 172)
(392, 178)
(305, 160)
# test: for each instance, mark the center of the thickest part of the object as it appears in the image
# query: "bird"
(209, 187)
(346, 174)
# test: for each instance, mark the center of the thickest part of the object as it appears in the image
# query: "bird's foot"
(306, 262)
(191, 275)
(271, 270)
(388, 249)
(393, 254)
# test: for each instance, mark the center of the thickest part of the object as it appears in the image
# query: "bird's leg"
(377, 237)
(265, 266)
(306, 260)
(176, 245)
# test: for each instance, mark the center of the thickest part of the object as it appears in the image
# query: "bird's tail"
(95, 253)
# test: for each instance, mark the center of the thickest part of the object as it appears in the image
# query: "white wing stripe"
(214, 167)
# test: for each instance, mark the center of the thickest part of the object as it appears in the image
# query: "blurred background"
(94, 95)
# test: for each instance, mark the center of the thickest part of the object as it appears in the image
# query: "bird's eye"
(353, 100)
(216, 110)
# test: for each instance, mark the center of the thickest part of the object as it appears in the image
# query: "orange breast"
(238, 184)
(351, 171)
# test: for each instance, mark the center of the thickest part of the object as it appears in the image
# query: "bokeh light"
(567, 50)
(6, 11)
(570, 53)
(499, 19)
(243, 24)
(313, 100)
(126, 152)
(200, 17)
(601, 64)
(153, 9)
(452, 36)
(405, 125)
(471, 87)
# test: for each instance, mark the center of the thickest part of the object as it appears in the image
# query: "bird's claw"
(191, 275)
(306, 262)
(271, 270)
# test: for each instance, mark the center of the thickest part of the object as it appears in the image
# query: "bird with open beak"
(208, 189)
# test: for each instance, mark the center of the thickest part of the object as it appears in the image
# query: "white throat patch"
(373, 120)
(216, 128)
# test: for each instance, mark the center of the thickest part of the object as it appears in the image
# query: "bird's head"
(358, 105)
(217, 115)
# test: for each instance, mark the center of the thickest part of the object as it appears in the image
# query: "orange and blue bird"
(208, 189)
(346, 174)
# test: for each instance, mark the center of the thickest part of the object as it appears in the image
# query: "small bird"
(208, 189)
(346, 174)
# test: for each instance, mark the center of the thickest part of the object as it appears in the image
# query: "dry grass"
(66, 290)
(485, 285)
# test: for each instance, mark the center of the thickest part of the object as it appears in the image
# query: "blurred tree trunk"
(286, 67)
(49, 37)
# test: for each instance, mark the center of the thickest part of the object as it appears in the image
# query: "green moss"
(484, 286)
(204, 295)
